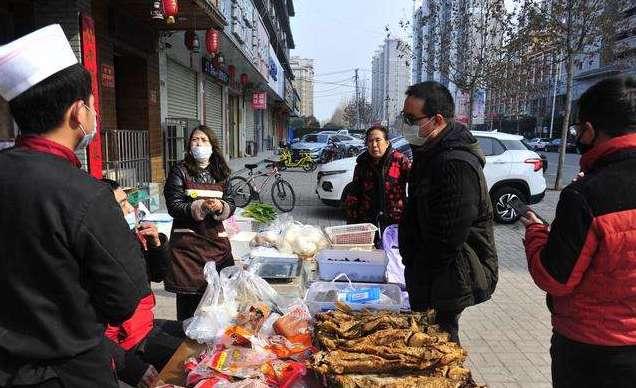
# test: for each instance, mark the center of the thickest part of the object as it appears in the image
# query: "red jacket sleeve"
(558, 257)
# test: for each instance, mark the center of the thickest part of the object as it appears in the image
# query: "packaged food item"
(212, 382)
(238, 362)
(283, 374)
(360, 295)
(295, 324)
(253, 317)
(283, 348)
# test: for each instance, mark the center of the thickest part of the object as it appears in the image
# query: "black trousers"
(449, 322)
(156, 349)
(580, 365)
(187, 305)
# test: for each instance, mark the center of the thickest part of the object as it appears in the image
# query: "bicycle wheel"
(241, 190)
(310, 166)
(283, 195)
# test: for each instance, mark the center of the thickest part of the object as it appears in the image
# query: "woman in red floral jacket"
(378, 190)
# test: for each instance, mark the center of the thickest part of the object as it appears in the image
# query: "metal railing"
(127, 157)
(177, 131)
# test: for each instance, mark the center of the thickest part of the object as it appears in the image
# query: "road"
(571, 168)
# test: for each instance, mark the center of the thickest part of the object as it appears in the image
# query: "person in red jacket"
(586, 260)
(142, 345)
(377, 194)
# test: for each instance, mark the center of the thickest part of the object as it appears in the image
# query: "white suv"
(512, 170)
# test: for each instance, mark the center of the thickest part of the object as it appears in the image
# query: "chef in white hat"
(68, 262)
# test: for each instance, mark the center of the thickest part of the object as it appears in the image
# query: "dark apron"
(193, 244)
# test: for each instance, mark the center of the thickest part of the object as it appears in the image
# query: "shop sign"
(213, 71)
(108, 76)
(89, 60)
(259, 100)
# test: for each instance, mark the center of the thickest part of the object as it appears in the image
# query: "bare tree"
(466, 43)
(578, 29)
(361, 107)
(338, 117)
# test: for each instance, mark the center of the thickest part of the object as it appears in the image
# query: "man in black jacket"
(68, 262)
(446, 234)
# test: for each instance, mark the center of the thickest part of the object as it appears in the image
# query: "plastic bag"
(295, 324)
(237, 361)
(231, 227)
(395, 267)
(214, 312)
(283, 374)
(303, 240)
(245, 288)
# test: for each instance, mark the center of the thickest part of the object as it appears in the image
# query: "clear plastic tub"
(321, 296)
(360, 266)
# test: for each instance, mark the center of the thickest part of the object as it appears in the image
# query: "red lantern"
(212, 41)
(170, 9)
(231, 71)
(244, 79)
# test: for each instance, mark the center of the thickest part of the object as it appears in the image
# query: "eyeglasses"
(410, 119)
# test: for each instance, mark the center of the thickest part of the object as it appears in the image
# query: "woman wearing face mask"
(378, 191)
(197, 201)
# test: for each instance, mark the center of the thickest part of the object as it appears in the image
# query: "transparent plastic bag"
(214, 312)
(303, 240)
(245, 288)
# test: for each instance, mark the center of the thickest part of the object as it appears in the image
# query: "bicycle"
(244, 189)
(305, 161)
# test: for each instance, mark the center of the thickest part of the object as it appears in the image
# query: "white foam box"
(240, 244)
(360, 266)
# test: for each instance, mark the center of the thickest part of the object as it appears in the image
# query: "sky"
(341, 35)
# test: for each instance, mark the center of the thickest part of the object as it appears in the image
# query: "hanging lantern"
(231, 71)
(244, 79)
(188, 39)
(156, 13)
(170, 9)
(212, 41)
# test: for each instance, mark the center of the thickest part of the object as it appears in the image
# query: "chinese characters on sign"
(108, 76)
(89, 60)
(259, 100)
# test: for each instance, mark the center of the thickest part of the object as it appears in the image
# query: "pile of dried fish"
(387, 349)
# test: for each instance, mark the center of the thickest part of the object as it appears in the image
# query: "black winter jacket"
(68, 262)
(446, 235)
(178, 203)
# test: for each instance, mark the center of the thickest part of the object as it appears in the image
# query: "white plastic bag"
(245, 288)
(214, 312)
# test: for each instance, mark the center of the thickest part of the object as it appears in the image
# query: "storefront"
(215, 80)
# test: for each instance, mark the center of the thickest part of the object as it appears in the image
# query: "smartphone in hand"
(522, 208)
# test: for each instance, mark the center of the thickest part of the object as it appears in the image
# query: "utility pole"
(386, 109)
(357, 103)
(557, 70)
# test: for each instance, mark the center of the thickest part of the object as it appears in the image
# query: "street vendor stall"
(307, 308)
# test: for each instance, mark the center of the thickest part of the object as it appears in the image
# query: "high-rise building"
(303, 69)
(390, 76)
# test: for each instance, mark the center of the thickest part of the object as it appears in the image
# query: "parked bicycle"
(246, 190)
(305, 162)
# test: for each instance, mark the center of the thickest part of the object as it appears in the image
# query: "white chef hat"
(33, 58)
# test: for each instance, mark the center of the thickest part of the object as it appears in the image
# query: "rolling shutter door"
(214, 109)
(249, 122)
(182, 91)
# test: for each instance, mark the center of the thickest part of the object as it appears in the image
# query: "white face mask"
(131, 219)
(412, 133)
(201, 153)
(88, 137)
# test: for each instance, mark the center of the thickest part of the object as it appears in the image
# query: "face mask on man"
(201, 153)
(88, 137)
(583, 147)
(131, 219)
(411, 130)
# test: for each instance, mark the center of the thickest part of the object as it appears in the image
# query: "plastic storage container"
(321, 296)
(240, 244)
(360, 266)
(355, 234)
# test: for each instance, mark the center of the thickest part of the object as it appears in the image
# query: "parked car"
(555, 144)
(324, 146)
(511, 170)
(538, 143)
